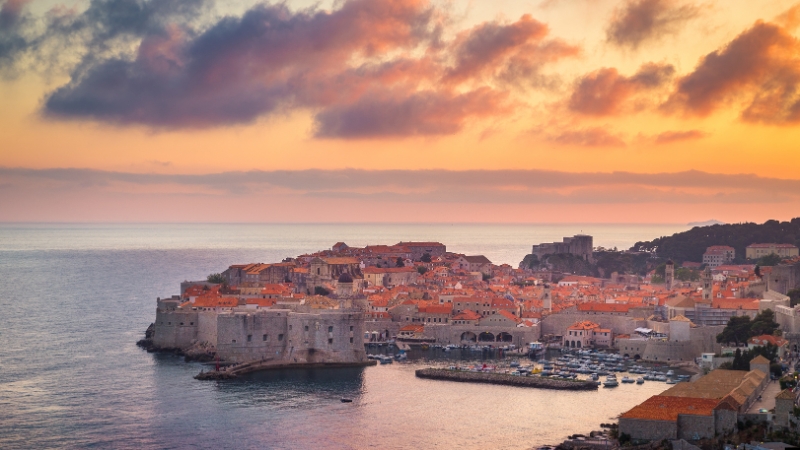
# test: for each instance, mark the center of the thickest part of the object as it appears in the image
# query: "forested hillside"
(690, 245)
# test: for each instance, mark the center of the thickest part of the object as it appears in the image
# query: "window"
(306, 327)
(191, 323)
(330, 329)
(290, 327)
(330, 341)
(265, 337)
(351, 340)
(280, 337)
(181, 323)
(249, 338)
(234, 341)
(351, 328)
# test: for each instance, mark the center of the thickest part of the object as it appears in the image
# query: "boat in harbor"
(627, 380)
(611, 381)
(640, 380)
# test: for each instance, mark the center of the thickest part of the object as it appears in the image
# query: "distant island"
(706, 223)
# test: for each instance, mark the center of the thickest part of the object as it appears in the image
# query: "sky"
(522, 111)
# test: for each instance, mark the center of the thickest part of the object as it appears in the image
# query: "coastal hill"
(690, 245)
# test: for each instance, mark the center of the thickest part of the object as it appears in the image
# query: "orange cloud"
(759, 69)
(605, 92)
(668, 137)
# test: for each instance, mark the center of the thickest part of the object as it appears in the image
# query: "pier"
(506, 379)
(234, 371)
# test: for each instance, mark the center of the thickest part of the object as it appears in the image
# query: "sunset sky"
(540, 111)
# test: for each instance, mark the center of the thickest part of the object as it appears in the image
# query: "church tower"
(708, 284)
(547, 301)
(669, 275)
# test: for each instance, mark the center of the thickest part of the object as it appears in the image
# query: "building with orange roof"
(702, 409)
(587, 334)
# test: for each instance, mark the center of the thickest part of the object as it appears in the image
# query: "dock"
(506, 379)
(236, 370)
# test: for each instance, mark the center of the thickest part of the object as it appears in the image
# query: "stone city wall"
(692, 427)
(558, 323)
(648, 430)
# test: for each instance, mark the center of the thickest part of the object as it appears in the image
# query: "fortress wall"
(662, 351)
(268, 335)
(631, 347)
(175, 329)
(784, 278)
(207, 327)
(786, 318)
(558, 323)
(381, 326)
(326, 337)
(658, 327)
(705, 338)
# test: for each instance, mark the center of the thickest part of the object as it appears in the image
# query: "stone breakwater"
(233, 371)
(505, 379)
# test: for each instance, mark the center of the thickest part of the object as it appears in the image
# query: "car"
(762, 410)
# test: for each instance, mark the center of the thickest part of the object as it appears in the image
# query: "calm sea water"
(75, 298)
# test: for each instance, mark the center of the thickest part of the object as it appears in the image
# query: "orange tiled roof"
(660, 407)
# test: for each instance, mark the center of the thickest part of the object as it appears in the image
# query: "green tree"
(486, 276)
(737, 330)
(764, 323)
(426, 258)
(399, 262)
(216, 278)
(422, 270)
(770, 260)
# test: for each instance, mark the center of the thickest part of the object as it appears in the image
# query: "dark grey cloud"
(474, 186)
(639, 21)
(365, 69)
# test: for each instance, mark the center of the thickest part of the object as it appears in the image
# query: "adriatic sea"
(74, 299)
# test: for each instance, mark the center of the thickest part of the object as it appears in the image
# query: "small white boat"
(627, 380)
(611, 381)
(640, 380)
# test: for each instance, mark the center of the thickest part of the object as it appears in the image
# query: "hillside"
(690, 245)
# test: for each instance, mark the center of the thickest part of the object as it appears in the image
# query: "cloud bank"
(432, 186)
(367, 68)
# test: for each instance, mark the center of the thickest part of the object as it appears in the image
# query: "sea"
(75, 298)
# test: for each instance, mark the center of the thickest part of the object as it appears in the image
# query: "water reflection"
(294, 388)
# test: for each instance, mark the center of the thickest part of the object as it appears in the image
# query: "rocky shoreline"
(505, 379)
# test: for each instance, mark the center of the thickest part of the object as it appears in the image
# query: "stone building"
(579, 245)
(784, 277)
(703, 409)
(756, 251)
(418, 249)
(281, 336)
(327, 270)
(717, 255)
(784, 408)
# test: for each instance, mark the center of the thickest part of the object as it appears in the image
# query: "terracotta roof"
(680, 318)
(785, 394)
(659, 407)
(604, 307)
(759, 360)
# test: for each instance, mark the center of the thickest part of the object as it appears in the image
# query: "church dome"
(345, 278)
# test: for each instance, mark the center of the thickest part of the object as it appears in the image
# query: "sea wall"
(505, 379)
(295, 338)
